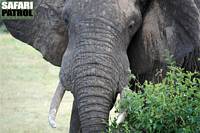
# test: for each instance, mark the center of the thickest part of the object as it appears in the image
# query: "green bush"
(170, 106)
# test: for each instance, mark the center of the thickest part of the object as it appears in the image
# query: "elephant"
(98, 42)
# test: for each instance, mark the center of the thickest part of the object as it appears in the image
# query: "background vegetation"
(172, 106)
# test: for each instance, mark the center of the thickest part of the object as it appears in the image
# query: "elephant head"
(89, 39)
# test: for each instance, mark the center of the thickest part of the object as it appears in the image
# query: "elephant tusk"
(55, 103)
(121, 117)
(52, 117)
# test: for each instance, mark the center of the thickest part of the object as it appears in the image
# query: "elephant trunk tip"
(52, 117)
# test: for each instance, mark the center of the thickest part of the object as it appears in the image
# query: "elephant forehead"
(129, 7)
(106, 8)
(106, 11)
(123, 4)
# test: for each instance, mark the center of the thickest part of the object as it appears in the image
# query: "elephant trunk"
(95, 94)
(99, 68)
(96, 73)
(94, 110)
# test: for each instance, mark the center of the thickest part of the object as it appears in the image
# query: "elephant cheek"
(66, 71)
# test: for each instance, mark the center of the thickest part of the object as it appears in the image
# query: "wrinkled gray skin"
(95, 65)
(91, 48)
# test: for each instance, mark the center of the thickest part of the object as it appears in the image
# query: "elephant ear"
(47, 32)
(168, 25)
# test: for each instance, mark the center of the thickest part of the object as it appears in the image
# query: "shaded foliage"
(172, 105)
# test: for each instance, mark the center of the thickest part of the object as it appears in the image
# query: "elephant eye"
(131, 25)
(131, 28)
(66, 17)
(66, 20)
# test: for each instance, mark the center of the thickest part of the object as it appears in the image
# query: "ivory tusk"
(121, 117)
(55, 103)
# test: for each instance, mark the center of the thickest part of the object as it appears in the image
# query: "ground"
(27, 84)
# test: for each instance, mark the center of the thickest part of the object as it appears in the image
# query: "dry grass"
(27, 83)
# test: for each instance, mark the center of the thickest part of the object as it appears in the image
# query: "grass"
(27, 83)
